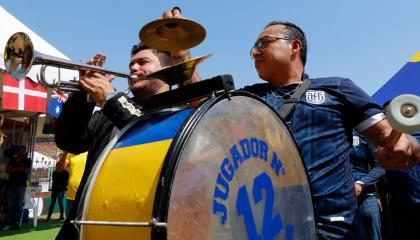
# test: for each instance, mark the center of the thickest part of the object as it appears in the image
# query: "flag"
(56, 103)
(23, 94)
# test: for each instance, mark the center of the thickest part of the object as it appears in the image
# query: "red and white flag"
(24, 95)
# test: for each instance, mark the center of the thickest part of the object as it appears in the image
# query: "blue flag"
(56, 103)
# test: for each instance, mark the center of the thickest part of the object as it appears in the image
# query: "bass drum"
(227, 169)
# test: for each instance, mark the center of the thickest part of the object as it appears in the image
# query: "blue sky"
(367, 41)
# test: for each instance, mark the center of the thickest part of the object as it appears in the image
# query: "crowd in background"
(388, 200)
(65, 181)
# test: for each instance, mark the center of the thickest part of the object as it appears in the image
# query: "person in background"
(403, 189)
(76, 165)
(18, 169)
(60, 178)
(366, 172)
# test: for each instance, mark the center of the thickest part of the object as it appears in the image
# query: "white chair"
(33, 202)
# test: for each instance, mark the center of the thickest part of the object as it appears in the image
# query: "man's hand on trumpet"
(96, 84)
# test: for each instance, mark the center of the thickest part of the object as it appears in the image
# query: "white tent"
(10, 25)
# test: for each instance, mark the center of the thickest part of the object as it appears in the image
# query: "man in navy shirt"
(366, 173)
(322, 123)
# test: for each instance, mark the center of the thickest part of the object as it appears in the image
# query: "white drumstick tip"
(403, 113)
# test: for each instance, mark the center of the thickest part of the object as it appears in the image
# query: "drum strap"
(290, 103)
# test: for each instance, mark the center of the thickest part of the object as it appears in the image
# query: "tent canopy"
(405, 81)
(9, 25)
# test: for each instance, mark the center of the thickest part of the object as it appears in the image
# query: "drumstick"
(403, 115)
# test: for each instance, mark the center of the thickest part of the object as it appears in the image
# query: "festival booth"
(23, 102)
(42, 168)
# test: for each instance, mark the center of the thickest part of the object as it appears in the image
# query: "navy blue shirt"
(365, 166)
(404, 185)
(322, 124)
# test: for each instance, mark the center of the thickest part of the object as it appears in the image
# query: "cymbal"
(177, 73)
(172, 34)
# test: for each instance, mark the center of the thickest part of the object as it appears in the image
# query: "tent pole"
(33, 122)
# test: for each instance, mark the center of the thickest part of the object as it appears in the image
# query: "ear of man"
(296, 46)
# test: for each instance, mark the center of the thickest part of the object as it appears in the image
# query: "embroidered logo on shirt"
(356, 141)
(130, 107)
(315, 97)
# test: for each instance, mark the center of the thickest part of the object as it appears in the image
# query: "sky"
(367, 41)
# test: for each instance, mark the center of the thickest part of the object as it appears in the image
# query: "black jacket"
(79, 131)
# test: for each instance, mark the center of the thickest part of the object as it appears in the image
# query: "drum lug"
(229, 95)
(217, 93)
(156, 223)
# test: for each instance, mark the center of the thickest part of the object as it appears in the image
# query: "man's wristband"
(108, 96)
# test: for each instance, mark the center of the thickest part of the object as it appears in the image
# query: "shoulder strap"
(290, 103)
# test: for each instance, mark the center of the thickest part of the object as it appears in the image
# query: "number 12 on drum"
(265, 183)
(271, 225)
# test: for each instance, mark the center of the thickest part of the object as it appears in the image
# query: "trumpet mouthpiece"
(134, 78)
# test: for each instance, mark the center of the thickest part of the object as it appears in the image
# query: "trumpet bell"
(172, 34)
(18, 55)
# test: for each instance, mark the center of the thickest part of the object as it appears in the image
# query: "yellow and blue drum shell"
(124, 188)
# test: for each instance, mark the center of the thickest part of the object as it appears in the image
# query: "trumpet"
(20, 56)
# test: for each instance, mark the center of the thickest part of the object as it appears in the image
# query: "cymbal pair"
(174, 34)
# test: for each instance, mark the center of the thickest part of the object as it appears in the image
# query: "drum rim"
(164, 186)
(171, 161)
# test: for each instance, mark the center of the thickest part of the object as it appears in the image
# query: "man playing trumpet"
(78, 130)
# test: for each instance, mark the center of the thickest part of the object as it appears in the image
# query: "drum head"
(238, 175)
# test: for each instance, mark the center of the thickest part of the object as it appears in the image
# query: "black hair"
(164, 57)
(294, 32)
